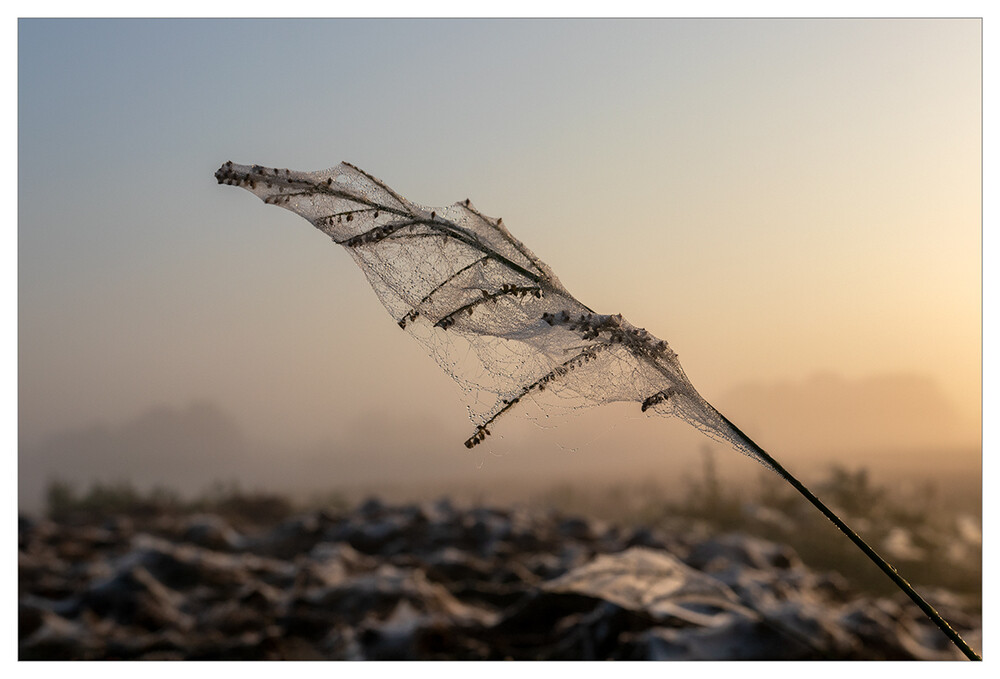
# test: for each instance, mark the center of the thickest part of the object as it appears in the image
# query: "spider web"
(493, 315)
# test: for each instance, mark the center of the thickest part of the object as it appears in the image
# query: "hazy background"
(793, 204)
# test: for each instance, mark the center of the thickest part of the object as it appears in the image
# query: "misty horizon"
(821, 421)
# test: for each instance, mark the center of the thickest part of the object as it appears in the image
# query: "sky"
(795, 205)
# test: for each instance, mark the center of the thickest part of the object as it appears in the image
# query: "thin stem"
(862, 545)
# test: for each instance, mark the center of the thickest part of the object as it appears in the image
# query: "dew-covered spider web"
(492, 315)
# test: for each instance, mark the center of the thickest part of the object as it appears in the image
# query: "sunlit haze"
(795, 205)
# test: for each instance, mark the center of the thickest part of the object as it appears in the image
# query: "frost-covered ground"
(435, 581)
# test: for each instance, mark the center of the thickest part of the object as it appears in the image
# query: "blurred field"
(742, 573)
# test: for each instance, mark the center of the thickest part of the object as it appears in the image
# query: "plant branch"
(507, 290)
(506, 235)
(415, 311)
(584, 356)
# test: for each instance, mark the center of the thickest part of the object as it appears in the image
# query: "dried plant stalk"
(458, 280)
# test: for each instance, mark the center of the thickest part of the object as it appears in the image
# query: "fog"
(897, 423)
